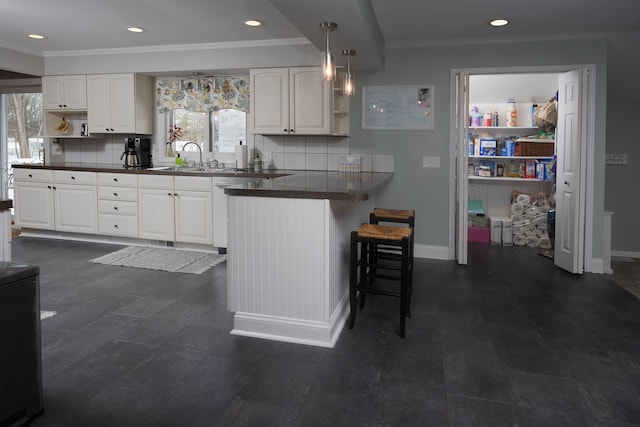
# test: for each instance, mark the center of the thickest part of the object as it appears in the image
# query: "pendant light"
(348, 84)
(328, 62)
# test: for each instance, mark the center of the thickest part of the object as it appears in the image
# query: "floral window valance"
(203, 94)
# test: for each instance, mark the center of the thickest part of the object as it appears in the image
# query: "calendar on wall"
(397, 107)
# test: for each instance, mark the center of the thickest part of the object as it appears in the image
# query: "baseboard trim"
(626, 254)
(294, 331)
(431, 252)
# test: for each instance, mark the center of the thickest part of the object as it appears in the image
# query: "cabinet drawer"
(75, 177)
(118, 225)
(34, 175)
(162, 182)
(118, 179)
(193, 183)
(118, 193)
(116, 207)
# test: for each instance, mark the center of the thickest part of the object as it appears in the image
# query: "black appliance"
(143, 150)
(20, 348)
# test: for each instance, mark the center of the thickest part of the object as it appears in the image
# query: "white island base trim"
(288, 266)
(293, 330)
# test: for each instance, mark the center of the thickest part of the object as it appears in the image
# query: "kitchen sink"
(191, 169)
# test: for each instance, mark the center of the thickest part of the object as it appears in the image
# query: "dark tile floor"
(508, 340)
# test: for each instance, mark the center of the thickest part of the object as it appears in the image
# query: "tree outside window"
(24, 127)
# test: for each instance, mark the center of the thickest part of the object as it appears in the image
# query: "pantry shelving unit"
(490, 93)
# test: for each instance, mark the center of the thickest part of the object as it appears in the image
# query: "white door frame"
(589, 87)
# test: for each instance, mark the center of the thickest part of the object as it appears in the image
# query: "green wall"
(427, 189)
(621, 180)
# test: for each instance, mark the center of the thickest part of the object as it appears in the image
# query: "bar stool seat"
(365, 259)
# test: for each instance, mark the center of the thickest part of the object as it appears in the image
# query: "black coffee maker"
(130, 156)
(143, 150)
(137, 153)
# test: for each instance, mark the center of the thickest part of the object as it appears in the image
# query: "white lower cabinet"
(75, 200)
(118, 204)
(33, 198)
(155, 207)
(175, 208)
(56, 200)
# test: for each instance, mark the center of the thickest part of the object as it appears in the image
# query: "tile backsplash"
(287, 152)
(316, 153)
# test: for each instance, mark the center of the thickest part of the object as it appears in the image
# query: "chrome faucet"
(201, 165)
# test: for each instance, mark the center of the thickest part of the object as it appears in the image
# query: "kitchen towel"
(241, 156)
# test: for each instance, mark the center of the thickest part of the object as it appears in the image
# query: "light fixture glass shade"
(328, 66)
(328, 61)
(348, 84)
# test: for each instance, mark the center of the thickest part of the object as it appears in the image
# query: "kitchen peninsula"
(288, 266)
(286, 231)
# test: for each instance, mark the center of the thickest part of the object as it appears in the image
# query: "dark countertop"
(269, 173)
(316, 185)
(282, 183)
(6, 204)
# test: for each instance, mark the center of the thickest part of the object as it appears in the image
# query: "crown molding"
(180, 47)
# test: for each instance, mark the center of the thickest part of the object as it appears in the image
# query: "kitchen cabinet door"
(156, 216)
(33, 205)
(310, 101)
(120, 103)
(99, 103)
(194, 221)
(123, 119)
(64, 92)
(76, 208)
(270, 101)
(294, 101)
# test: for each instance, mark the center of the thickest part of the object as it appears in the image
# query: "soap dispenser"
(178, 160)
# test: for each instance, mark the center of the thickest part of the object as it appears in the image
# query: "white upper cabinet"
(292, 101)
(270, 101)
(64, 92)
(120, 103)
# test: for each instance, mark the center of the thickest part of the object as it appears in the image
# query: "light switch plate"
(616, 159)
(431, 161)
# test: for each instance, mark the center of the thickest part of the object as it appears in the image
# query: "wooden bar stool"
(385, 252)
(363, 259)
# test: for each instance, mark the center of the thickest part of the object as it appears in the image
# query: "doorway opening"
(491, 90)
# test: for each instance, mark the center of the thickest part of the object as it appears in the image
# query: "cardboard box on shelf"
(507, 231)
(496, 230)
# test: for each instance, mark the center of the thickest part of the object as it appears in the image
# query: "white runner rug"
(173, 260)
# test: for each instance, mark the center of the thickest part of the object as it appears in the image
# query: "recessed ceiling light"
(498, 22)
(36, 36)
(136, 30)
(252, 23)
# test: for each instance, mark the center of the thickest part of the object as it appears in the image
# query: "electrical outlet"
(267, 156)
(430, 161)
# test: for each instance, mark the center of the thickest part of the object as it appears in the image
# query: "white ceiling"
(364, 25)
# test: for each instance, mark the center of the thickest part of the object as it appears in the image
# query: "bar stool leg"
(404, 287)
(353, 278)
